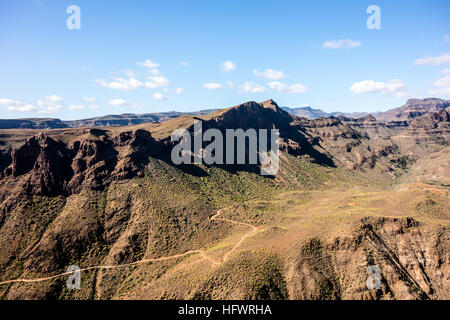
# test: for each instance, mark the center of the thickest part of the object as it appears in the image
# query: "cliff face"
(327, 141)
(412, 109)
(411, 260)
(5, 159)
(46, 166)
(47, 162)
(67, 162)
(432, 120)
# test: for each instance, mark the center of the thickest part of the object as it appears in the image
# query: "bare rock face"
(433, 127)
(323, 140)
(47, 161)
(265, 115)
(95, 158)
(5, 159)
(50, 167)
(431, 120)
(411, 259)
(349, 144)
(413, 108)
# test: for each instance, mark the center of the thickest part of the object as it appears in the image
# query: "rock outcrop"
(412, 261)
(47, 166)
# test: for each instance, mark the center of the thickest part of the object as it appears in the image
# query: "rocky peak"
(47, 161)
(270, 104)
(431, 120)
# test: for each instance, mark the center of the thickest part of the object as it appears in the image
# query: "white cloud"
(129, 84)
(434, 61)
(269, 74)
(442, 82)
(155, 72)
(130, 74)
(212, 86)
(395, 87)
(159, 96)
(442, 86)
(251, 87)
(53, 98)
(447, 38)
(10, 102)
(157, 82)
(148, 64)
(45, 106)
(151, 66)
(227, 66)
(446, 71)
(76, 107)
(185, 64)
(48, 106)
(93, 106)
(118, 102)
(179, 90)
(88, 99)
(284, 88)
(341, 43)
(23, 108)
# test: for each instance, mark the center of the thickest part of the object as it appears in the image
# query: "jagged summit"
(412, 109)
(270, 104)
(253, 106)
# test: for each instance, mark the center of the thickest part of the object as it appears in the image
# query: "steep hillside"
(111, 201)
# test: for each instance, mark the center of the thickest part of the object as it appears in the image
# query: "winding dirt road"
(201, 252)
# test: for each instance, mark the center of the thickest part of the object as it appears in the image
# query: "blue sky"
(317, 53)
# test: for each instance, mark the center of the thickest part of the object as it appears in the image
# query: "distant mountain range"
(124, 119)
(412, 109)
(311, 113)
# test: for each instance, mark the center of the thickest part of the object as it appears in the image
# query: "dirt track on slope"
(201, 252)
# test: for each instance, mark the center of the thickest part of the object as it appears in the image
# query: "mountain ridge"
(411, 109)
(349, 194)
